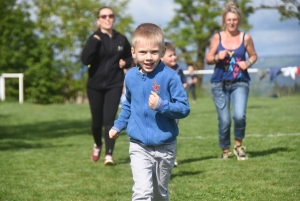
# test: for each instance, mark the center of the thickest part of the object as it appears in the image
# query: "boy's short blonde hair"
(148, 31)
(170, 46)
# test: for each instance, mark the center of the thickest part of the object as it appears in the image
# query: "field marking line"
(247, 135)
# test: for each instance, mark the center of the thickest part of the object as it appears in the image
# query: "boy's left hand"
(153, 100)
(113, 134)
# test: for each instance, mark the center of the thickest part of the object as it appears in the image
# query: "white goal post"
(21, 75)
(207, 72)
(2, 84)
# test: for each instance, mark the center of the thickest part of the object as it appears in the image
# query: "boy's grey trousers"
(151, 168)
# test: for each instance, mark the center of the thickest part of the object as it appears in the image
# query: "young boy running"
(169, 59)
(155, 97)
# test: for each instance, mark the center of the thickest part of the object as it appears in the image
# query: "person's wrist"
(159, 102)
(215, 58)
(97, 37)
(249, 62)
(116, 129)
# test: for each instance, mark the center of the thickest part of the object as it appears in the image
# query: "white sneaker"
(108, 160)
(95, 153)
(240, 153)
(175, 163)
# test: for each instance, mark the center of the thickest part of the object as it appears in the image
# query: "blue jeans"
(223, 94)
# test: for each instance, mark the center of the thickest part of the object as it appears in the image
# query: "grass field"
(45, 155)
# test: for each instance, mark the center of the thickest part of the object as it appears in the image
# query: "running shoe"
(226, 155)
(108, 160)
(240, 153)
(96, 153)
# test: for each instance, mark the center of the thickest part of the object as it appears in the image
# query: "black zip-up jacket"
(103, 58)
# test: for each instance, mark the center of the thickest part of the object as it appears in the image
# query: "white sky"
(270, 35)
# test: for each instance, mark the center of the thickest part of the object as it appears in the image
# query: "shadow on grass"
(204, 112)
(257, 106)
(191, 160)
(26, 136)
(267, 152)
(2, 116)
(185, 173)
(21, 144)
(124, 161)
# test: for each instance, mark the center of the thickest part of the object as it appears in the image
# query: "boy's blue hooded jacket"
(144, 125)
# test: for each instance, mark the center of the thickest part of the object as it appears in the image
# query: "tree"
(288, 9)
(14, 30)
(66, 24)
(43, 40)
(21, 50)
(197, 20)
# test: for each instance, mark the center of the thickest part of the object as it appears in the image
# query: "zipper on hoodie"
(107, 63)
(145, 109)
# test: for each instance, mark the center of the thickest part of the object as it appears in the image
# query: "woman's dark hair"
(98, 28)
(104, 8)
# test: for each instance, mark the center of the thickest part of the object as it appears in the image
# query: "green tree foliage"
(194, 24)
(23, 52)
(15, 31)
(44, 39)
(66, 24)
(289, 9)
(197, 20)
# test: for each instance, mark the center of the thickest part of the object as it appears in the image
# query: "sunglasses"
(111, 16)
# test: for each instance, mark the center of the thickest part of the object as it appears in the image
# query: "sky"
(271, 36)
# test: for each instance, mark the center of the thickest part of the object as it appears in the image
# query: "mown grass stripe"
(247, 135)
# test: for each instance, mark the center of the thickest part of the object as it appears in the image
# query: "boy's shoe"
(96, 153)
(175, 163)
(108, 160)
(240, 153)
(227, 155)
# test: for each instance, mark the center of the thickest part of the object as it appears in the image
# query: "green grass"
(45, 155)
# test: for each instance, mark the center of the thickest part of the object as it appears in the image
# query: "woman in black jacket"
(106, 53)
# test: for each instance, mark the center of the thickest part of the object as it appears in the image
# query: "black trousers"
(104, 107)
(192, 88)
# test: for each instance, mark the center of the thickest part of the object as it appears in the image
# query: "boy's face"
(190, 69)
(169, 58)
(147, 54)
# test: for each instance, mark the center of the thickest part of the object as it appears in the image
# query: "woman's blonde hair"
(150, 32)
(232, 8)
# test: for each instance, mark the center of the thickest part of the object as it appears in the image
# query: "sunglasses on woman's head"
(111, 16)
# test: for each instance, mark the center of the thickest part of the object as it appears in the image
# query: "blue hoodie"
(144, 125)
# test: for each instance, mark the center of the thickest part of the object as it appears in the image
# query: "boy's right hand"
(113, 134)
(153, 100)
